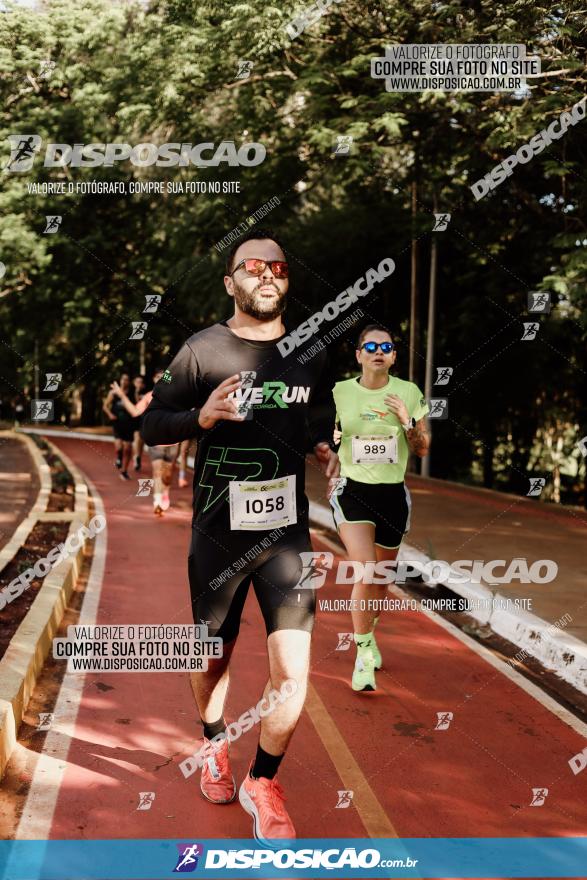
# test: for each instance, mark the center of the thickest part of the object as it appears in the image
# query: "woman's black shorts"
(386, 505)
(124, 429)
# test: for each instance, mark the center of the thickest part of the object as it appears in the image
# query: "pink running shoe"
(263, 800)
(217, 782)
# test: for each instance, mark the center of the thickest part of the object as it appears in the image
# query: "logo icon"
(53, 222)
(52, 381)
(187, 861)
(46, 68)
(344, 800)
(224, 464)
(146, 799)
(138, 329)
(244, 69)
(145, 487)
(244, 409)
(152, 301)
(374, 415)
(539, 795)
(315, 565)
(343, 145)
(537, 484)
(444, 719)
(42, 410)
(578, 762)
(45, 720)
(441, 222)
(22, 151)
(443, 375)
(345, 640)
(539, 301)
(166, 377)
(438, 408)
(337, 484)
(248, 378)
(530, 331)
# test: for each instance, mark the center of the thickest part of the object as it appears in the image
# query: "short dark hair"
(370, 328)
(249, 236)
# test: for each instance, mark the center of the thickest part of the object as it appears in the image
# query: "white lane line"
(71, 435)
(37, 815)
(82, 435)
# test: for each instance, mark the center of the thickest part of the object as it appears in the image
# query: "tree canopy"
(168, 71)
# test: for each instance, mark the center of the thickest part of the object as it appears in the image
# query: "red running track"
(473, 779)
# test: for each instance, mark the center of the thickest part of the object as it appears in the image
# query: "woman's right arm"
(106, 406)
(135, 409)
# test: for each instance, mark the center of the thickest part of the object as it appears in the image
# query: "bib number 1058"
(267, 505)
(260, 504)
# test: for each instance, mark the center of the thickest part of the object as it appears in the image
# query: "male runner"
(255, 414)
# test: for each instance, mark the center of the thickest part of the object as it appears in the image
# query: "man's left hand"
(327, 459)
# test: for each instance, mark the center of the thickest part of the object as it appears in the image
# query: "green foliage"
(167, 71)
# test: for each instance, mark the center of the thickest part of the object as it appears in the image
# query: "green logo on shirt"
(374, 415)
(224, 464)
(166, 377)
(271, 395)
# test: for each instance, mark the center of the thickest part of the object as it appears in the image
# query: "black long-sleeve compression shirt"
(289, 408)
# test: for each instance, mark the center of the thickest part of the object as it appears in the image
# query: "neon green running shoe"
(364, 672)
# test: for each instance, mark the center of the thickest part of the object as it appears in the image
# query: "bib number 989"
(376, 449)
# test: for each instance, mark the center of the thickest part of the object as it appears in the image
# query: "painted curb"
(39, 506)
(21, 664)
(558, 651)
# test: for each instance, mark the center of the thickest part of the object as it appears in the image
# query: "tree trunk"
(89, 405)
(414, 293)
(488, 435)
(430, 332)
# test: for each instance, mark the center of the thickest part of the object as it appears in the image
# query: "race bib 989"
(374, 450)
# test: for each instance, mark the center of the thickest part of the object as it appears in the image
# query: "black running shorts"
(123, 429)
(387, 506)
(222, 566)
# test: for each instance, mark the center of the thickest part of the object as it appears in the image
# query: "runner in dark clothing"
(255, 413)
(140, 389)
(123, 426)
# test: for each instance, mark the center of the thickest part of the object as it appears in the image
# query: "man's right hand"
(218, 407)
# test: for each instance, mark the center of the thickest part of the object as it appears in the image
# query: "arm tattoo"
(419, 440)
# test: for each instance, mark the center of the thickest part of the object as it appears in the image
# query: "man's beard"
(251, 304)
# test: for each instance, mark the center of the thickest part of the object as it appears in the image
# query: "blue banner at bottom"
(316, 857)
